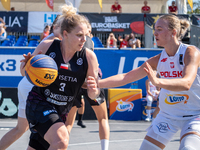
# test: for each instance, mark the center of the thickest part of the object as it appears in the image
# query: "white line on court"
(5, 129)
(113, 141)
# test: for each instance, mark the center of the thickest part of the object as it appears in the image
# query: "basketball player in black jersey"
(98, 105)
(47, 107)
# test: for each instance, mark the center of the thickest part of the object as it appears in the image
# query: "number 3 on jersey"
(62, 87)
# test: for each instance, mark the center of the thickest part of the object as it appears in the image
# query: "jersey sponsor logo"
(124, 106)
(79, 61)
(56, 102)
(171, 74)
(163, 127)
(172, 65)
(177, 98)
(164, 60)
(61, 97)
(67, 78)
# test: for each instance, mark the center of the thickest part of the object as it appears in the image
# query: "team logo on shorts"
(47, 112)
(176, 98)
(52, 54)
(47, 92)
(163, 127)
(79, 61)
(124, 106)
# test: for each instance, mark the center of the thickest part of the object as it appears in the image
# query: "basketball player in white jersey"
(179, 68)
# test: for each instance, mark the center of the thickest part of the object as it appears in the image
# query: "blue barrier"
(111, 62)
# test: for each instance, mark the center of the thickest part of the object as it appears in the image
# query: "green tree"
(196, 8)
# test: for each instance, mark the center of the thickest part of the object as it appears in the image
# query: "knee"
(61, 144)
(190, 142)
(64, 143)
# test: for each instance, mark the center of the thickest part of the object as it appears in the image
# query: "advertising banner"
(38, 20)
(111, 62)
(15, 21)
(10, 65)
(117, 23)
(116, 61)
(125, 104)
(8, 103)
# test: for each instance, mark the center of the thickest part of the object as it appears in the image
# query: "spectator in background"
(111, 41)
(3, 33)
(173, 9)
(123, 42)
(12, 9)
(152, 95)
(145, 9)
(134, 42)
(45, 32)
(116, 8)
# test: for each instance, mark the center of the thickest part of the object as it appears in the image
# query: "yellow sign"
(190, 2)
(100, 4)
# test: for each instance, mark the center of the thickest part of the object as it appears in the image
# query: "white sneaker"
(148, 119)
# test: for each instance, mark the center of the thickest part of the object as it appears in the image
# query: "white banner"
(38, 20)
(10, 65)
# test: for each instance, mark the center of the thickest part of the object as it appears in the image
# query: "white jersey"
(152, 89)
(24, 87)
(178, 104)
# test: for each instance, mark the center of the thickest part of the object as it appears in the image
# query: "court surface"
(124, 135)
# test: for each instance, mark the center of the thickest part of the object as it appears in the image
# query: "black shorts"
(37, 142)
(98, 101)
(41, 115)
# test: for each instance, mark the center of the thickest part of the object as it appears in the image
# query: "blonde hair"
(180, 25)
(69, 18)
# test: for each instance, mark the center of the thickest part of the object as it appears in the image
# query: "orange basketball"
(41, 70)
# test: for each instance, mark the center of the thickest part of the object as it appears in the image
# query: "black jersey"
(62, 92)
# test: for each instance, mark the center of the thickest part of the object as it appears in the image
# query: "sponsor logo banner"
(15, 21)
(38, 20)
(117, 23)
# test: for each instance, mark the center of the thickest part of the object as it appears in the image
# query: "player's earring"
(172, 36)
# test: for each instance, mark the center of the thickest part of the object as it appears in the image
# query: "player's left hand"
(151, 74)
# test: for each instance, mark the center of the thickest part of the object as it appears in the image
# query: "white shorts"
(167, 128)
(24, 87)
(149, 100)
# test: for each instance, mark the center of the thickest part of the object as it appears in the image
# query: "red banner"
(50, 4)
